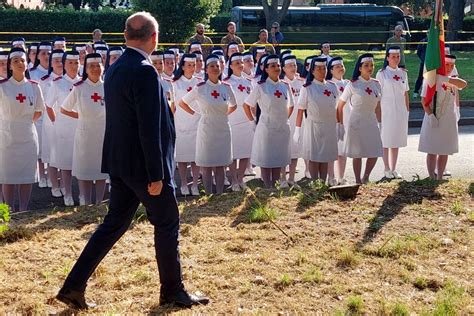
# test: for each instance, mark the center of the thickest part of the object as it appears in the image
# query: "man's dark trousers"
(162, 211)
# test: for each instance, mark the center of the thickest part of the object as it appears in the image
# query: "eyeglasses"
(274, 27)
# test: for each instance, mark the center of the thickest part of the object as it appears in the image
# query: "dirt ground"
(398, 248)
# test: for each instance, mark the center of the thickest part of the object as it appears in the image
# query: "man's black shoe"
(74, 299)
(183, 299)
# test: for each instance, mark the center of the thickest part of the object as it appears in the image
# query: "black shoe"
(183, 299)
(74, 299)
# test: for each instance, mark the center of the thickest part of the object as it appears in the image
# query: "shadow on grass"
(166, 310)
(407, 193)
(235, 205)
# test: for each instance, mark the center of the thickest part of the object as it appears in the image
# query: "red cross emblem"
(278, 94)
(241, 88)
(444, 86)
(396, 77)
(327, 93)
(20, 98)
(215, 94)
(341, 89)
(189, 89)
(369, 91)
(96, 97)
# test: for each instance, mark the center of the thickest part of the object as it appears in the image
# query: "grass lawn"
(399, 248)
(463, 64)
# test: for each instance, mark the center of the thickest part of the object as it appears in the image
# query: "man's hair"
(146, 29)
(199, 24)
(96, 31)
(262, 31)
(230, 23)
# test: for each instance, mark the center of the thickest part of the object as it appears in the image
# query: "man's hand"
(155, 188)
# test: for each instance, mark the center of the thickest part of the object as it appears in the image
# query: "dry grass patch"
(399, 248)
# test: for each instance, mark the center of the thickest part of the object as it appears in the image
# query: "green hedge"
(66, 20)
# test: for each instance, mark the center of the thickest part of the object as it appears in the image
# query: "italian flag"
(434, 58)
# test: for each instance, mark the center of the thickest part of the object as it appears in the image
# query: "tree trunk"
(456, 16)
(272, 14)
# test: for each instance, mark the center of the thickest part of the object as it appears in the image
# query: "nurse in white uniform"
(82, 50)
(199, 72)
(290, 75)
(86, 103)
(21, 105)
(32, 51)
(336, 171)
(157, 59)
(39, 70)
(64, 128)
(3, 75)
(186, 124)
(395, 104)
(113, 54)
(271, 144)
(363, 133)
(214, 142)
(319, 98)
(56, 70)
(169, 65)
(249, 65)
(242, 130)
(439, 130)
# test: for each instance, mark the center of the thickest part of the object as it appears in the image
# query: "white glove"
(433, 121)
(296, 135)
(340, 131)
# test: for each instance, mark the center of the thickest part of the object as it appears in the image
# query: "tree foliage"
(177, 18)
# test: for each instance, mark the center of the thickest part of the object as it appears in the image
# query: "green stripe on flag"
(432, 58)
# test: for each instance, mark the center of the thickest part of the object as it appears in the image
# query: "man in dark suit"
(138, 156)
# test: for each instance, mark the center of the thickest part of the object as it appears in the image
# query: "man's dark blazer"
(139, 134)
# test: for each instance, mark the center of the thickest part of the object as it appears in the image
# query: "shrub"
(4, 218)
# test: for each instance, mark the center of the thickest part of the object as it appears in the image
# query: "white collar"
(88, 81)
(13, 80)
(41, 68)
(69, 78)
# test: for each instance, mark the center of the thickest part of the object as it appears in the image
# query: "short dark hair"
(146, 29)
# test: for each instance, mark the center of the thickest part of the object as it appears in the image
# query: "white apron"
(241, 128)
(443, 139)
(319, 138)
(186, 125)
(271, 143)
(62, 140)
(214, 141)
(362, 134)
(394, 84)
(36, 74)
(341, 85)
(296, 148)
(87, 99)
(19, 145)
